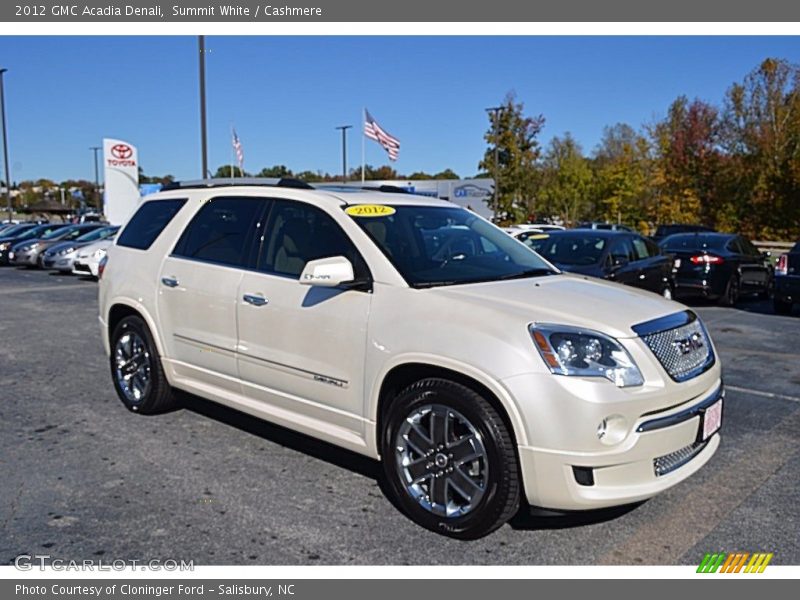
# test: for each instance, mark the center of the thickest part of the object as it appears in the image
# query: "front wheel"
(731, 294)
(449, 459)
(136, 369)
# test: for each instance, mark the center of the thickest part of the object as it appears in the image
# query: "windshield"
(57, 233)
(568, 249)
(38, 231)
(431, 245)
(97, 234)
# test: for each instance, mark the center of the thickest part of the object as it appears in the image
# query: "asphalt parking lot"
(82, 478)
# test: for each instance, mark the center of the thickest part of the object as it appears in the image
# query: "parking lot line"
(733, 388)
(680, 527)
(41, 288)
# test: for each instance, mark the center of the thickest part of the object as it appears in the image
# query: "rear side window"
(221, 231)
(148, 222)
(642, 249)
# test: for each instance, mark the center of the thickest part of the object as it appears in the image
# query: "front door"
(301, 348)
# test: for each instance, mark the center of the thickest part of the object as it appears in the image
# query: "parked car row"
(65, 247)
(689, 261)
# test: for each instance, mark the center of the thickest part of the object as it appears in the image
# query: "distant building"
(469, 193)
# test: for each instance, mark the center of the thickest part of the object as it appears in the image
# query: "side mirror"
(327, 272)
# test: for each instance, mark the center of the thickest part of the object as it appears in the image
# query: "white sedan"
(89, 257)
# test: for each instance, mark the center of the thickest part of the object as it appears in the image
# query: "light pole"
(494, 111)
(344, 129)
(201, 43)
(5, 144)
(96, 149)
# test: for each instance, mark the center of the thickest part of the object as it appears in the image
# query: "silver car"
(30, 252)
(61, 257)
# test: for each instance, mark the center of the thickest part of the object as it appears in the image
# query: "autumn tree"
(511, 159)
(566, 182)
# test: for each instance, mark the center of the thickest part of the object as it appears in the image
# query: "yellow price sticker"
(369, 210)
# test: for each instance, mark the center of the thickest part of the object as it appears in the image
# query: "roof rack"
(339, 187)
(287, 182)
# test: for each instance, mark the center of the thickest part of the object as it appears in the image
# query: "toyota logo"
(121, 151)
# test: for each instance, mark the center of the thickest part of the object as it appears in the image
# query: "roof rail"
(230, 181)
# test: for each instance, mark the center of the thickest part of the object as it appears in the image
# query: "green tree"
(762, 138)
(567, 181)
(446, 174)
(275, 171)
(226, 171)
(512, 138)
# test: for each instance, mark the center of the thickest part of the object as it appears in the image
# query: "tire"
(768, 291)
(136, 369)
(478, 438)
(781, 307)
(731, 294)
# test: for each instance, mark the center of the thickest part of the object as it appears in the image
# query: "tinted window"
(641, 249)
(297, 233)
(572, 250)
(694, 241)
(148, 222)
(221, 231)
(97, 234)
(621, 250)
(749, 248)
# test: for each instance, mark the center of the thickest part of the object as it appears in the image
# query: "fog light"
(612, 430)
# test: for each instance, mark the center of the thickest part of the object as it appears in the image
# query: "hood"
(580, 301)
(58, 246)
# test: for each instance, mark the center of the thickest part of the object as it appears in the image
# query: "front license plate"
(712, 419)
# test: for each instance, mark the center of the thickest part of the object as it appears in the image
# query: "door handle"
(255, 299)
(169, 282)
(642, 275)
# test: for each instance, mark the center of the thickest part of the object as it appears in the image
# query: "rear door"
(198, 283)
(302, 348)
(653, 265)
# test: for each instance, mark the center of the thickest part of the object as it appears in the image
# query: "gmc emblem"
(689, 344)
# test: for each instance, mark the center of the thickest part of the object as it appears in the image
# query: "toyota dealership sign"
(121, 167)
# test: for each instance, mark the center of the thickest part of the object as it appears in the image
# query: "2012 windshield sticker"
(369, 210)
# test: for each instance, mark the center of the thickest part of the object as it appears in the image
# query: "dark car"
(614, 255)
(663, 231)
(718, 266)
(787, 281)
(27, 231)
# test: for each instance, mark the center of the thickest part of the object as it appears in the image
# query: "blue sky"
(285, 95)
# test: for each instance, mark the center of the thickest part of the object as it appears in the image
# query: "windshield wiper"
(537, 272)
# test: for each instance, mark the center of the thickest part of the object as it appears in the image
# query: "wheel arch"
(122, 308)
(401, 375)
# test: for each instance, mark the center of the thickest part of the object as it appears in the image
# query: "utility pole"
(495, 111)
(344, 129)
(201, 42)
(96, 149)
(5, 144)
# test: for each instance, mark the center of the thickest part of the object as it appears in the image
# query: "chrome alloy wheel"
(442, 460)
(132, 366)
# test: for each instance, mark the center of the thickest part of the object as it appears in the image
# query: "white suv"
(412, 331)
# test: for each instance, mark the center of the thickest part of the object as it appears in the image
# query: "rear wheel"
(136, 369)
(449, 459)
(731, 294)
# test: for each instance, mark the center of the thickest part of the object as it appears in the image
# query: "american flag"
(374, 132)
(237, 147)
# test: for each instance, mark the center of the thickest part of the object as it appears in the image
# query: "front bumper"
(59, 263)
(569, 468)
(24, 259)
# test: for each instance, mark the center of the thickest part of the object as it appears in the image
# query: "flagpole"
(363, 143)
(232, 152)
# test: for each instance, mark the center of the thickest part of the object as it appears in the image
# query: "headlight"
(98, 254)
(4, 247)
(585, 353)
(65, 251)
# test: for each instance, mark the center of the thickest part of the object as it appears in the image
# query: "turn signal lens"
(101, 267)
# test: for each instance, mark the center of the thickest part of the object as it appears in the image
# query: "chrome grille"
(669, 462)
(684, 351)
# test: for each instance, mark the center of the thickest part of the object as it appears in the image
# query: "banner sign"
(121, 174)
(496, 11)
